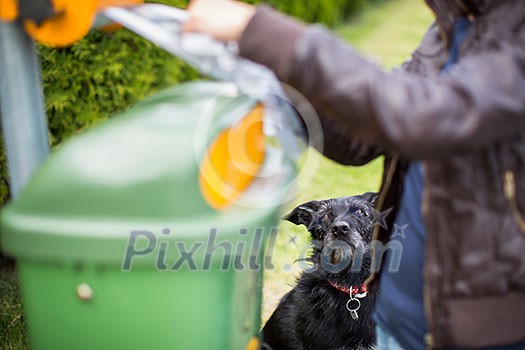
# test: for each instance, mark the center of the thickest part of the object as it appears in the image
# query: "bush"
(105, 73)
(97, 77)
(328, 12)
(100, 75)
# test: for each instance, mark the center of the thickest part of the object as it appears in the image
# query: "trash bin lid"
(137, 171)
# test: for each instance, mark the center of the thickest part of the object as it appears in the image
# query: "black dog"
(317, 314)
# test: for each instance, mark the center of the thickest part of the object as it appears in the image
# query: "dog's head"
(341, 231)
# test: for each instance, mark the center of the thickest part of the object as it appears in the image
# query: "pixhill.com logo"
(245, 250)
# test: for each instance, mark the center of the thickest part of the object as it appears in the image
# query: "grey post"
(22, 110)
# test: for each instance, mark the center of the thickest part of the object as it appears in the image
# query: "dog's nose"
(340, 228)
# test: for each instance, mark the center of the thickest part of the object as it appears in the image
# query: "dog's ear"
(371, 197)
(304, 213)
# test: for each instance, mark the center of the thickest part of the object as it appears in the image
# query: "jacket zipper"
(381, 202)
(384, 192)
(509, 189)
(429, 337)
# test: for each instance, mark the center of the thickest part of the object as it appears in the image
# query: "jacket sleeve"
(341, 147)
(478, 102)
(337, 143)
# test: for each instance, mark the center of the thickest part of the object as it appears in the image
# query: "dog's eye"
(326, 218)
(361, 212)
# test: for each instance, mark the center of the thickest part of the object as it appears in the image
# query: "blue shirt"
(399, 307)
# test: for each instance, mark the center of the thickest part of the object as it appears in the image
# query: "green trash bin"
(117, 246)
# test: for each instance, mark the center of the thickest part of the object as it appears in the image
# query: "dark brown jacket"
(468, 126)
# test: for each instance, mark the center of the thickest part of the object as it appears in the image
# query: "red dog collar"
(354, 291)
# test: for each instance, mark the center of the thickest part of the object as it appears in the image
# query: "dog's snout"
(340, 228)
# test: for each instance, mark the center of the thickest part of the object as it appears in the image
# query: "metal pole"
(24, 123)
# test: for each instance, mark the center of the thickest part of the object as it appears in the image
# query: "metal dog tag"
(354, 314)
(353, 308)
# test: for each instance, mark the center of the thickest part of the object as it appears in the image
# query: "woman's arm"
(481, 100)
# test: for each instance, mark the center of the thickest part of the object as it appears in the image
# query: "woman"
(451, 124)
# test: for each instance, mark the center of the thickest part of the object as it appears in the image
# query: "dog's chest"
(326, 323)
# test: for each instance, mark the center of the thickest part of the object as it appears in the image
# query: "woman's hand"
(222, 19)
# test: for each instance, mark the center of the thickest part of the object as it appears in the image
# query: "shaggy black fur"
(313, 315)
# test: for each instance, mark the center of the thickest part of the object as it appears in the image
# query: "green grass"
(12, 326)
(387, 32)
